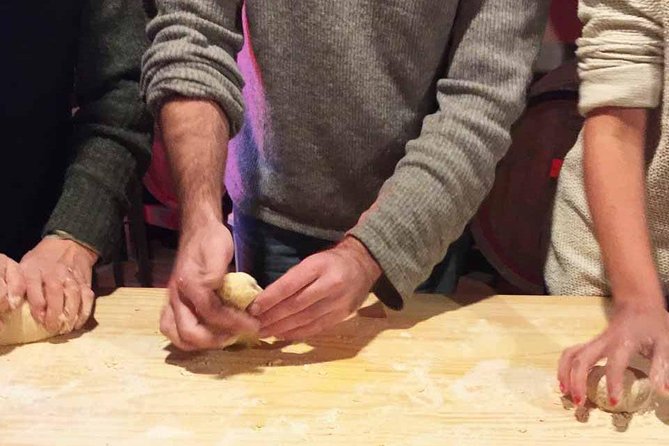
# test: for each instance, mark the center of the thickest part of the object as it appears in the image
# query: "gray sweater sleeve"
(446, 172)
(195, 43)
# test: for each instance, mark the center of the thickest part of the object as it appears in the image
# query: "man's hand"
(320, 292)
(12, 285)
(195, 318)
(58, 278)
(631, 330)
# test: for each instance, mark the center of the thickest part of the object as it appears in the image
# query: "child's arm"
(614, 165)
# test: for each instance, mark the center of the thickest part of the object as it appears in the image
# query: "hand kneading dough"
(239, 290)
(636, 390)
(19, 327)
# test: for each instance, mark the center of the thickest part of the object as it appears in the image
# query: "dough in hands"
(239, 290)
(636, 396)
(19, 327)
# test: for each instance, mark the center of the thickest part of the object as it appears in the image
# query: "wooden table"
(470, 371)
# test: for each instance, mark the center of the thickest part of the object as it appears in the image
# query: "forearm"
(614, 165)
(446, 172)
(112, 128)
(196, 134)
(192, 54)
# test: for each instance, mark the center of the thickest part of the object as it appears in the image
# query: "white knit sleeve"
(621, 54)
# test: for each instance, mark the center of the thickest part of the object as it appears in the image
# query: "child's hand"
(633, 329)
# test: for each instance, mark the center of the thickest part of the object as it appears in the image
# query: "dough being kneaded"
(239, 290)
(637, 391)
(19, 327)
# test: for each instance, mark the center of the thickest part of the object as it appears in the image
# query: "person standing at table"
(64, 176)
(367, 135)
(611, 227)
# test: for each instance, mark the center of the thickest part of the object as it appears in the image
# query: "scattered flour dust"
(25, 395)
(512, 386)
(423, 390)
(532, 391)
(418, 385)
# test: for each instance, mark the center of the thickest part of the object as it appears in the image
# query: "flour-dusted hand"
(195, 318)
(12, 285)
(318, 293)
(58, 280)
(632, 330)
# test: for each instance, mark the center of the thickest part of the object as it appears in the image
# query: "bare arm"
(195, 134)
(191, 82)
(614, 165)
(621, 65)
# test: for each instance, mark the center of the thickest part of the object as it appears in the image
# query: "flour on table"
(510, 385)
(423, 390)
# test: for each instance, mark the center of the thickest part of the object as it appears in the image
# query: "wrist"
(361, 255)
(639, 298)
(203, 216)
(69, 242)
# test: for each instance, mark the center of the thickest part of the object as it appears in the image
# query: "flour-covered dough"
(637, 391)
(19, 327)
(239, 290)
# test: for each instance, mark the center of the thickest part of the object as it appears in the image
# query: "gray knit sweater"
(398, 109)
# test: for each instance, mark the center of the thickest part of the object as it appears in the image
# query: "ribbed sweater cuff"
(197, 81)
(629, 86)
(89, 213)
(394, 286)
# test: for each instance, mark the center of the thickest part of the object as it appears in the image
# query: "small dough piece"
(637, 391)
(19, 327)
(239, 290)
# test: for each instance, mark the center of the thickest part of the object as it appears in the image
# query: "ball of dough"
(19, 327)
(239, 290)
(636, 396)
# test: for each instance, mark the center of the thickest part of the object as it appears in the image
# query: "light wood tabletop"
(446, 371)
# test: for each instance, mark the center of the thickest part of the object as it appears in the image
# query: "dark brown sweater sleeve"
(112, 127)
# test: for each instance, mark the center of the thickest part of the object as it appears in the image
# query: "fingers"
(190, 333)
(616, 365)
(16, 284)
(659, 370)
(294, 280)
(315, 327)
(86, 308)
(4, 292)
(55, 299)
(72, 305)
(35, 295)
(564, 368)
(299, 319)
(207, 306)
(58, 299)
(581, 365)
(201, 298)
(190, 330)
(297, 303)
(12, 285)
(4, 297)
(168, 327)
